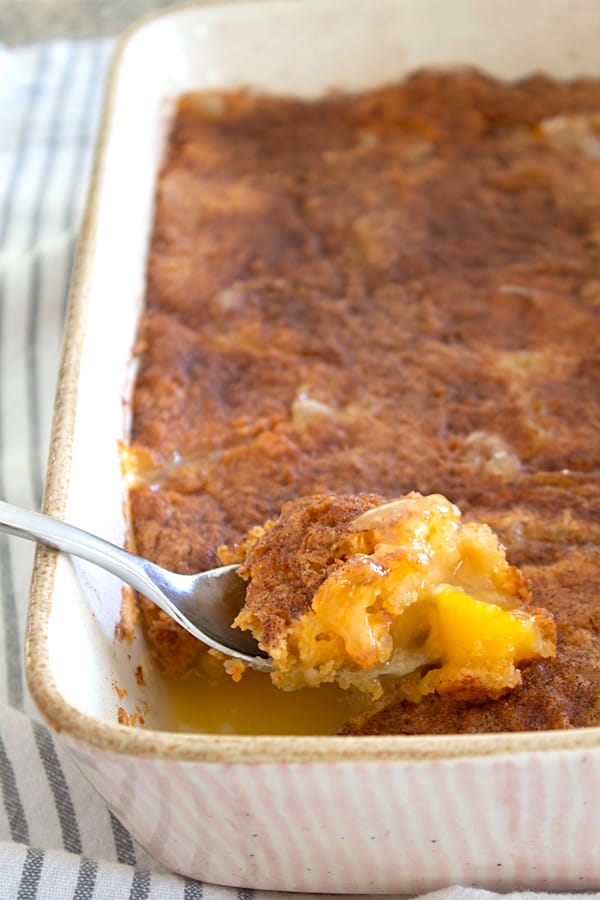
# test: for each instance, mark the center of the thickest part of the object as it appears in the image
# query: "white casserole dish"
(385, 814)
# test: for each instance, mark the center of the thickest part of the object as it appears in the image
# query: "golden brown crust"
(393, 292)
(288, 564)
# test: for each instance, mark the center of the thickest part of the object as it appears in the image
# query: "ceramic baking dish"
(385, 814)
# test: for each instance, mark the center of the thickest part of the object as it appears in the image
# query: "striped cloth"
(57, 837)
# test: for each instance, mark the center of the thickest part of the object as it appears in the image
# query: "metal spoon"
(204, 604)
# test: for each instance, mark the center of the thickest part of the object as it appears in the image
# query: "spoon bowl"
(204, 604)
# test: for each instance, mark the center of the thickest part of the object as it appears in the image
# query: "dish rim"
(83, 727)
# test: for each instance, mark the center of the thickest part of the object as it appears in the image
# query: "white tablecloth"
(57, 837)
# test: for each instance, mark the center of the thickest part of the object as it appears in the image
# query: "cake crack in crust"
(391, 292)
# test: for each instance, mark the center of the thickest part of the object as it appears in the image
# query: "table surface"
(29, 21)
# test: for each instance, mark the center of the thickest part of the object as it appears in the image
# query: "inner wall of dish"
(304, 49)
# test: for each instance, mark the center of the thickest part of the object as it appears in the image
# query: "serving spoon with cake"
(346, 588)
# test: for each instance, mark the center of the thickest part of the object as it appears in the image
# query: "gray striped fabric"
(57, 837)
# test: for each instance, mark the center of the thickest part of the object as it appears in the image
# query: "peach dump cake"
(348, 589)
(364, 314)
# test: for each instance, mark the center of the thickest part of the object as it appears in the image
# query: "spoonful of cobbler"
(346, 588)
(350, 588)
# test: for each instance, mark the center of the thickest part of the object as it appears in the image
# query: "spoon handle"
(36, 526)
(199, 603)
